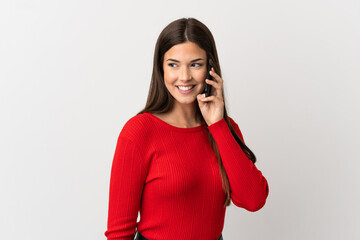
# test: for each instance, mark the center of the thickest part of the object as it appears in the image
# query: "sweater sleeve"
(126, 184)
(249, 188)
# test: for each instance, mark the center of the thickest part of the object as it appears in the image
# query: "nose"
(185, 74)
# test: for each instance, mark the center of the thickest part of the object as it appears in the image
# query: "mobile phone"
(207, 89)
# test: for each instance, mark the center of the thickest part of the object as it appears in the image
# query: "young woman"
(181, 160)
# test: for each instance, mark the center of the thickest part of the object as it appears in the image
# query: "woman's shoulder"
(136, 127)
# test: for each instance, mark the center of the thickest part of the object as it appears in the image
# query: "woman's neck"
(184, 117)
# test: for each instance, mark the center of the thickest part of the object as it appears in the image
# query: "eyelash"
(171, 64)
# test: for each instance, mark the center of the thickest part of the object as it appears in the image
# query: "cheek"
(200, 76)
(169, 76)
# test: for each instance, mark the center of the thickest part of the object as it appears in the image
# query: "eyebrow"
(174, 60)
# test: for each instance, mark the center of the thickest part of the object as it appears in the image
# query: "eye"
(172, 64)
(196, 65)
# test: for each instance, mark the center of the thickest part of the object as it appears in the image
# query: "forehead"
(185, 51)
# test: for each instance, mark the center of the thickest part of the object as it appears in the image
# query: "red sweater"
(171, 175)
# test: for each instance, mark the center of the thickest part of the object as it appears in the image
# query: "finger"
(200, 97)
(215, 75)
(217, 88)
(208, 99)
(212, 83)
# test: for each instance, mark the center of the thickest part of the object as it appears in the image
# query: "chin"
(186, 101)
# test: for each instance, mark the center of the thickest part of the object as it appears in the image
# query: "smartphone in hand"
(207, 89)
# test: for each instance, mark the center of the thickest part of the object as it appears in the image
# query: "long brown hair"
(161, 101)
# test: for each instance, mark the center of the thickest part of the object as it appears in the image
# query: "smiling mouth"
(185, 88)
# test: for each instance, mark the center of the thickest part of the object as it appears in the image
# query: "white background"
(73, 72)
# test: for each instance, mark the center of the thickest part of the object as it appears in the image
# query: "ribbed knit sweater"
(171, 175)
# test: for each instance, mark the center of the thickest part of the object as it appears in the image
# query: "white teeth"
(185, 88)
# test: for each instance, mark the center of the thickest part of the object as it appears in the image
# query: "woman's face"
(185, 71)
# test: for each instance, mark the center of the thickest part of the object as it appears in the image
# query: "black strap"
(138, 236)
